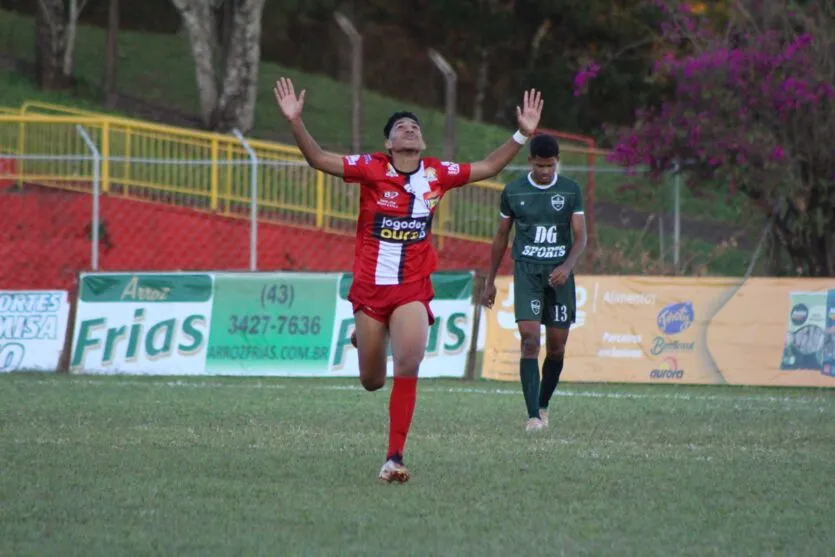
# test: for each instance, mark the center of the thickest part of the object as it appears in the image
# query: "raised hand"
(529, 113)
(291, 105)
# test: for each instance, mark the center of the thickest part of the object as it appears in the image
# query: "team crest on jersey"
(391, 172)
(431, 198)
(558, 202)
(431, 174)
(535, 307)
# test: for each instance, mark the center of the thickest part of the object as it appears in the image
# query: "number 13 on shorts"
(561, 313)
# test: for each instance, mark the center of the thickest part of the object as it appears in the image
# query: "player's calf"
(371, 351)
(529, 371)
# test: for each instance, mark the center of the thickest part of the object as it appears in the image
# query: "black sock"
(529, 373)
(551, 371)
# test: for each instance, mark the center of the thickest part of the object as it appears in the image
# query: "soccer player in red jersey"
(394, 258)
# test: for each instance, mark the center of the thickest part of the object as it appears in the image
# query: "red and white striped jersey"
(394, 240)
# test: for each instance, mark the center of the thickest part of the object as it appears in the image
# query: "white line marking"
(104, 382)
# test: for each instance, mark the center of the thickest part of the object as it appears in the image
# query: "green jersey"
(542, 215)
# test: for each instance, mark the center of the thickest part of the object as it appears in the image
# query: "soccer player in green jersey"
(547, 210)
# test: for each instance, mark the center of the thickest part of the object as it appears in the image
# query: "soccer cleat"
(393, 471)
(543, 417)
(534, 424)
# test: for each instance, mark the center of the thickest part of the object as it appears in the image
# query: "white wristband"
(519, 138)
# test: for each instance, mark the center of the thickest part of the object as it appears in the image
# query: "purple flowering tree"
(750, 109)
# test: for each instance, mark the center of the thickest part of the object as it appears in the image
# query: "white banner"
(446, 348)
(142, 324)
(33, 328)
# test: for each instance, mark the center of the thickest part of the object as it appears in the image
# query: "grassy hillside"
(158, 69)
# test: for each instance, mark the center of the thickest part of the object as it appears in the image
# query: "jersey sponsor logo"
(545, 234)
(400, 230)
(388, 200)
(544, 252)
(557, 202)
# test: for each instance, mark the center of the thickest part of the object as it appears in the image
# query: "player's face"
(544, 169)
(405, 136)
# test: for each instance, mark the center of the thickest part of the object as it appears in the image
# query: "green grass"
(642, 194)
(137, 466)
(639, 252)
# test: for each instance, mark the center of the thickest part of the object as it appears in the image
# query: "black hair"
(398, 116)
(545, 146)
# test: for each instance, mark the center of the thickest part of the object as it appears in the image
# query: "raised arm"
(528, 117)
(291, 106)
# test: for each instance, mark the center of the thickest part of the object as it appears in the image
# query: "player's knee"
(407, 364)
(530, 346)
(372, 384)
(556, 352)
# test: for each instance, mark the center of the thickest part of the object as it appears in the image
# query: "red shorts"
(380, 302)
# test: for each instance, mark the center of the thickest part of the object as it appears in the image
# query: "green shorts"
(536, 300)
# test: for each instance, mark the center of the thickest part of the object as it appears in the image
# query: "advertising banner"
(142, 323)
(257, 324)
(685, 330)
(272, 324)
(33, 327)
(449, 337)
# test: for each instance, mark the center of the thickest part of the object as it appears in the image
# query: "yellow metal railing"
(205, 170)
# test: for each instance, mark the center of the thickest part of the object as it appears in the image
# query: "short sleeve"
(453, 175)
(357, 168)
(504, 210)
(579, 206)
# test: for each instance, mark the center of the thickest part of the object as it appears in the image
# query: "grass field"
(210, 466)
